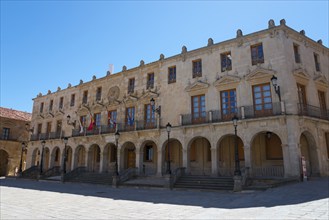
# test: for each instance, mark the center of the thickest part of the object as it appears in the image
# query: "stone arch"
(3, 162)
(36, 157)
(226, 154)
(267, 155)
(199, 156)
(55, 160)
(308, 150)
(80, 157)
(128, 155)
(109, 158)
(148, 157)
(94, 158)
(176, 155)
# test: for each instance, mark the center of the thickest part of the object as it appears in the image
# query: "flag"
(130, 120)
(91, 125)
(112, 122)
(81, 127)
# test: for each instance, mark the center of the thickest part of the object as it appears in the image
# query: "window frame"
(199, 116)
(255, 58)
(61, 103)
(171, 74)
(296, 53)
(131, 85)
(5, 133)
(264, 111)
(150, 81)
(197, 68)
(51, 104)
(72, 102)
(85, 97)
(230, 113)
(99, 93)
(225, 56)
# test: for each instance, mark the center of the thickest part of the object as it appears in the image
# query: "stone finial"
(141, 63)
(271, 23)
(108, 73)
(162, 57)
(124, 68)
(81, 82)
(302, 32)
(49, 92)
(94, 77)
(184, 49)
(39, 95)
(319, 41)
(282, 22)
(239, 33)
(210, 41)
(58, 89)
(69, 85)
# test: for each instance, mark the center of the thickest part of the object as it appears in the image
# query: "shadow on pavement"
(294, 193)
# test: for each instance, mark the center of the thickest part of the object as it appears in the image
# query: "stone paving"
(27, 199)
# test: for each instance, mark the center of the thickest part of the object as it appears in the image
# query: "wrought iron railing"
(189, 119)
(270, 110)
(47, 136)
(313, 111)
(271, 171)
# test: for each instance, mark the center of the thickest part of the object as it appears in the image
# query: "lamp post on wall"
(274, 81)
(21, 162)
(64, 158)
(237, 171)
(117, 136)
(41, 161)
(168, 127)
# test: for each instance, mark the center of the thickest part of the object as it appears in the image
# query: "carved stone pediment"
(301, 75)
(130, 98)
(198, 85)
(321, 81)
(83, 109)
(260, 75)
(40, 116)
(59, 112)
(149, 94)
(50, 114)
(227, 81)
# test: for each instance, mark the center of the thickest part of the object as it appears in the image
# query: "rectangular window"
(39, 129)
(51, 105)
(322, 100)
(317, 63)
(5, 133)
(131, 85)
(148, 154)
(301, 94)
(262, 99)
(228, 103)
(149, 116)
(130, 116)
(197, 68)
(98, 93)
(72, 103)
(198, 109)
(61, 101)
(150, 81)
(59, 127)
(48, 127)
(112, 118)
(257, 55)
(97, 119)
(85, 97)
(226, 61)
(83, 119)
(41, 107)
(296, 53)
(172, 74)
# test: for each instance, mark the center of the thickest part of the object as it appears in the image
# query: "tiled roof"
(14, 114)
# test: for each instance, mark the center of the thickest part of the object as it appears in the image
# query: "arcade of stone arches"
(264, 157)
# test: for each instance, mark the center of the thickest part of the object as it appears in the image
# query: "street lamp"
(157, 110)
(117, 136)
(168, 127)
(41, 162)
(20, 163)
(274, 81)
(66, 139)
(237, 171)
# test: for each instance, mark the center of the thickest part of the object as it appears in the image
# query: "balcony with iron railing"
(313, 111)
(47, 136)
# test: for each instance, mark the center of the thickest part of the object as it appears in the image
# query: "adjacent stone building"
(198, 92)
(13, 140)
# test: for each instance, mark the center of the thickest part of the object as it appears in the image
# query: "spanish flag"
(91, 125)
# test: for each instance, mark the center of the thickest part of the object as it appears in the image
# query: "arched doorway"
(36, 157)
(94, 158)
(109, 158)
(80, 157)
(3, 162)
(226, 155)
(308, 151)
(267, 155)
(200, 156)
(176, 155)
(55, 157)
(69, 153)
(150, 157)
(129, 155)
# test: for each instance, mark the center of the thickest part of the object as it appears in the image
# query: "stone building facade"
(13, 140)
(198, 93)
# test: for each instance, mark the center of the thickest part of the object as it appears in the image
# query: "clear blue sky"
(46, 44)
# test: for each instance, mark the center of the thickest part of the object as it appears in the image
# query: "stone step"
(205, 182)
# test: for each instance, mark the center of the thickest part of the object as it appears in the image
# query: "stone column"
(214, 162)
(159, 163)
(247, 155)
(185, 160)
(101, 162)
(293, 149)
(138, 162)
